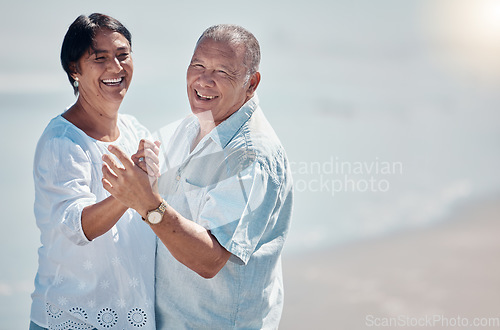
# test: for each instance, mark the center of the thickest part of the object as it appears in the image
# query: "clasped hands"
(135, 182)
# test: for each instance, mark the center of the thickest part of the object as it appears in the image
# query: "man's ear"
(254, 82)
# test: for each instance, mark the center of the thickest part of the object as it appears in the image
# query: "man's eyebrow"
(120, 49)
(230, 70)
(221, 66)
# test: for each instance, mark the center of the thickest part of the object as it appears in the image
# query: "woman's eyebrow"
(98, 51)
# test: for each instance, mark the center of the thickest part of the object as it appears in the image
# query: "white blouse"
(107, 283)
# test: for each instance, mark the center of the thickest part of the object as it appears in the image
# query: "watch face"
(154, 217)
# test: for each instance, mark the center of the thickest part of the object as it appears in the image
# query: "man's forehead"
(226, 48)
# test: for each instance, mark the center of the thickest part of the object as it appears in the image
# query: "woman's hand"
(146, 157)
(129, 183)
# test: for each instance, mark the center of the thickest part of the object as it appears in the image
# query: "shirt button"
(178, 177)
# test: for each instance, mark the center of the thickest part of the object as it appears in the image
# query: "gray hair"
(236, 35)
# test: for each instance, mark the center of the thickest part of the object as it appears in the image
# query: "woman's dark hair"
(80, 38)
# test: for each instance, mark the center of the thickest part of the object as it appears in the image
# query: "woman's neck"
(99, 123)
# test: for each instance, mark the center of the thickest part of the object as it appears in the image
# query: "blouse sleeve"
(62, 175)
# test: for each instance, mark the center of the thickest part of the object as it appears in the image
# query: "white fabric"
(107, 283)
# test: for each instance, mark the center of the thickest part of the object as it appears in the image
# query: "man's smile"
(204, 97)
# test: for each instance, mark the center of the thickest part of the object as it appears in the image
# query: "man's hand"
(129, 183)
(190, 243)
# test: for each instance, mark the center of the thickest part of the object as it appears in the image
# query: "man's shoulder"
(258, 136)
(256, 141)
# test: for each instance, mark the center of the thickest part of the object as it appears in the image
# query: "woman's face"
(104, 73)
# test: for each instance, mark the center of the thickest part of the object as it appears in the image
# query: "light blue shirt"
(237, 184)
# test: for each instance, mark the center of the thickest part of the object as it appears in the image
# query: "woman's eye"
(123, 56)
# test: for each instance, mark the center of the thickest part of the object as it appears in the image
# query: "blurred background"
(389, 114)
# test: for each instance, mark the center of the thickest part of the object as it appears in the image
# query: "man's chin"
(197, 110)
(203, 114)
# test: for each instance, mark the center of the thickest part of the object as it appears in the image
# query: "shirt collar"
(226, 130)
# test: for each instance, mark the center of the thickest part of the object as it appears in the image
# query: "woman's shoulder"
(61, 137)
(60, 129)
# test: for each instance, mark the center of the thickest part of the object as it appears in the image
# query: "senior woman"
(96, 262)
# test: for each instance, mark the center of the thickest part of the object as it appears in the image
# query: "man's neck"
(206, 126)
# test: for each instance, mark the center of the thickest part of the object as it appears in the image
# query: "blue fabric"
(34, 326)
(237, 184)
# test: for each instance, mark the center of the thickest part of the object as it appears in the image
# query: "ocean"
(389, 114)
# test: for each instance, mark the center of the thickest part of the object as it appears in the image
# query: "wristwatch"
(155, 216)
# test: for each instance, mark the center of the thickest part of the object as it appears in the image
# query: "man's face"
(216, 79)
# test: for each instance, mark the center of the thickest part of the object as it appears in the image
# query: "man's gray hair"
(239, 36)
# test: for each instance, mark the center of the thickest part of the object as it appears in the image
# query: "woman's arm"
(100, 217)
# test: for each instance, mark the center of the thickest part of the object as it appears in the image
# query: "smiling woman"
(82, 227)
(103, 74)
(83, 40)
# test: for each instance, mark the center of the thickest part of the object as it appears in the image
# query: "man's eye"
(100, 59)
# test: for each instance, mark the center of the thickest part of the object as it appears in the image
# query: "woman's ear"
(73, 68)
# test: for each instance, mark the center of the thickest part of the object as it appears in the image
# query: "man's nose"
(206, 79)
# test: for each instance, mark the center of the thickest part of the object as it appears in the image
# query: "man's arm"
(191, 244)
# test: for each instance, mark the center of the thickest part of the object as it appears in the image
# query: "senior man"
(223, 206)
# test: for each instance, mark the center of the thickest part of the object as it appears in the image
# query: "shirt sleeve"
(239, 210)
(62, 182)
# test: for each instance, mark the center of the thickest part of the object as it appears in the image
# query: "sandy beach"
(443, 277)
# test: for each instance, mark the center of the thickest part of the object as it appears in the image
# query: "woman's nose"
(114, 65)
